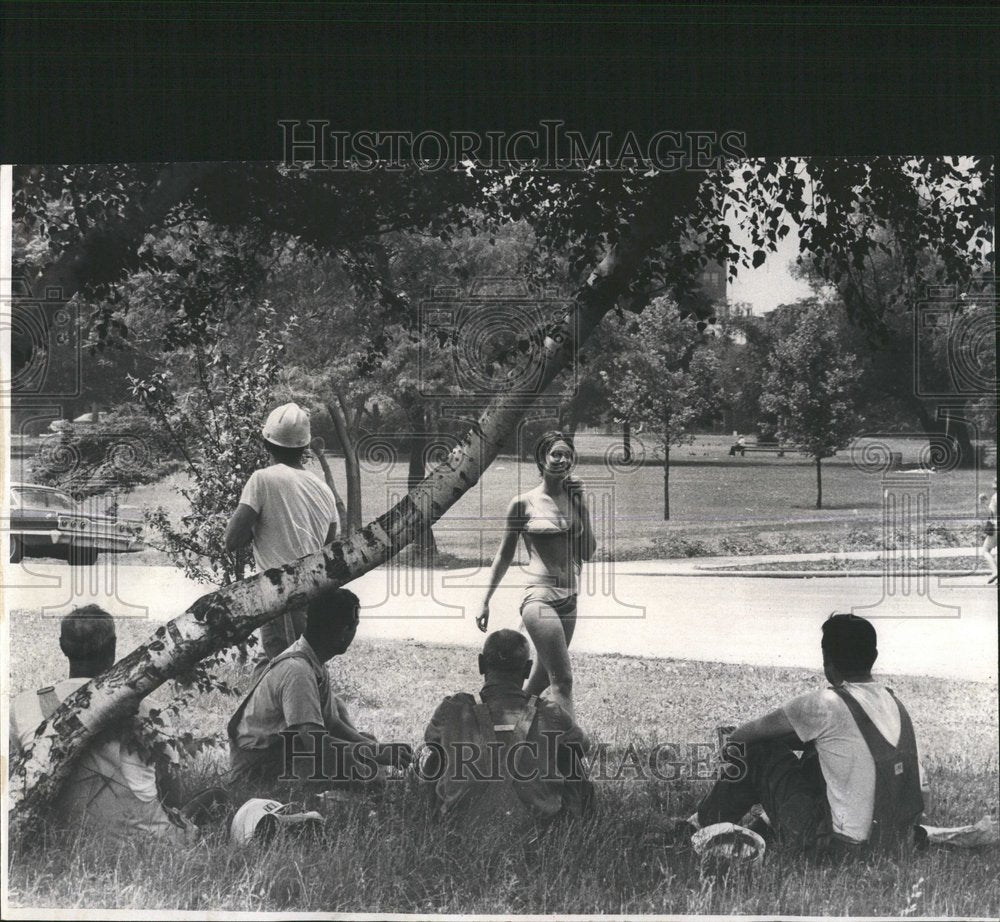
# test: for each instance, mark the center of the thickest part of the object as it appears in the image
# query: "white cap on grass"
(729, 841)
(260, 818)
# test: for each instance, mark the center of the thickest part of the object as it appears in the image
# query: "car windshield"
(41, 499)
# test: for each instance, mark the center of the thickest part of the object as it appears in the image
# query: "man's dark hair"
(289, 456)
(87, 635)
(331, 611)
(850, 644)
(545, 441)
(506, 650)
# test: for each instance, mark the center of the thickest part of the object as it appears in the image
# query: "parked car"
(47, 522)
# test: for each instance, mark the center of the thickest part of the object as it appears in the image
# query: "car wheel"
(82, 556)
(16, 551)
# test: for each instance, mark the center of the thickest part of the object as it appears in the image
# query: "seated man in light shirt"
(859, 784)
(291, 722)
(113, 789)
(287, 512)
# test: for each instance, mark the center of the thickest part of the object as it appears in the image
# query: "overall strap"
(907, 738)
(523, 726)
(238, 713)
(872, 735)
(485, 720)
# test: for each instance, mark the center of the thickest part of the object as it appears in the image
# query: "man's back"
(823, 718)
(295, 510)
(533, 739)
(293, 691)
(112, 789)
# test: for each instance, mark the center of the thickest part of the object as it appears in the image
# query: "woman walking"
(554, 522)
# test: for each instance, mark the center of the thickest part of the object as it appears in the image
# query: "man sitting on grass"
(291, 709)
(504, 754)
(114, 789)
(859, 782)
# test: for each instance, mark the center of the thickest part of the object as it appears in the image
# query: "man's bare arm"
(772, 726)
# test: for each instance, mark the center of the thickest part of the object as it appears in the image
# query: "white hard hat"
(260, 819)
(288, 426)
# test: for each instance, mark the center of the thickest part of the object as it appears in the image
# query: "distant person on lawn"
(113, 789)
(286, 511)
(989, 546)
(859, 783)
(504, 754)
(294, 694)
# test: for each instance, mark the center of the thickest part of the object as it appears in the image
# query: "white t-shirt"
(295, 510)
(848, 766)
(108, 759)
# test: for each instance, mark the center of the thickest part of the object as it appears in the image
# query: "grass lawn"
(719, 505)
(387, 857)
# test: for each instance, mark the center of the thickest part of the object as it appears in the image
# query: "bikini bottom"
(561, 601)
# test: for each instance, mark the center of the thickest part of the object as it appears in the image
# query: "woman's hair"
(545, 442)
(290, 456)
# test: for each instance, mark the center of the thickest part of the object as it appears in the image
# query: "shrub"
(122, 451)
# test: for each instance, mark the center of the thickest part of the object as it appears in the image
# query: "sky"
(772, 284)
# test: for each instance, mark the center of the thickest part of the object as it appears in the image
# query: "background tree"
(810, 386)
(665, 377)
(623, 235)
(209, 407)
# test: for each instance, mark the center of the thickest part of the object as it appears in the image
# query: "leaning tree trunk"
(228, 615)
(819, 484)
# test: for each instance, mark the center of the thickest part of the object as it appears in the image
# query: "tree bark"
(228, 615)
(819, 484)
(424, 543)
(352, 468)
(328, 477)
(627, 441)
(666, 479)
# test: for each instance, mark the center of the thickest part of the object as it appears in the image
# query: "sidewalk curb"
(798, 574)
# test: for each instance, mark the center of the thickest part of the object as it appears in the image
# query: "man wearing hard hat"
(286, 511)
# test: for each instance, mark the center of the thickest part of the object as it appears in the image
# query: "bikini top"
(543, 518)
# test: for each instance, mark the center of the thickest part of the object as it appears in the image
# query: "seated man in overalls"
(291, 726)
(503, 754)
(858, 785)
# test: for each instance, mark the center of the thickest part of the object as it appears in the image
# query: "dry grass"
(387, 857)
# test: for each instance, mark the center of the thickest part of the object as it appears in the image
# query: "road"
(940, 626)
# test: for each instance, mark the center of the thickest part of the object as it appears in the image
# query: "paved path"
(942, 626)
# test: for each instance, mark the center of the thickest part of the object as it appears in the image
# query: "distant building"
(713, 282)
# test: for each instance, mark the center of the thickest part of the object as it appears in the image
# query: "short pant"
(562, 601)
